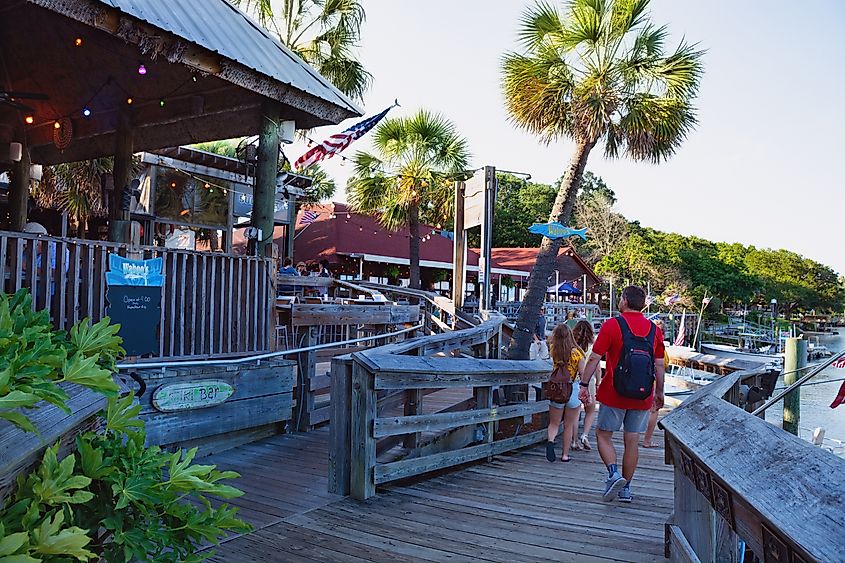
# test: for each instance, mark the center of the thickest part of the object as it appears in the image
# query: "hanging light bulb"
(172, 184)
(78, 42)
(361, 229)
(86, 112)
(129, 100)
(142, 70)
(161, 103)
(57, 125)
(29, 119)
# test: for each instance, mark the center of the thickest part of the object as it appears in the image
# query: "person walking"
(567, 367)
(584, 335)
(633, 383)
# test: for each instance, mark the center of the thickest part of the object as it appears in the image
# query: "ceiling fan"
(10, 99)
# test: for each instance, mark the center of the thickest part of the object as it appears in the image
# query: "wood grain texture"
(332, 314)
(439, 422)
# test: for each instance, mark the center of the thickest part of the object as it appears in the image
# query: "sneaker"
(612, 486)
(624, 495)
(550, 451)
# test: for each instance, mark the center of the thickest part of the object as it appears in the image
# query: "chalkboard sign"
(137, 309)
(191, 395)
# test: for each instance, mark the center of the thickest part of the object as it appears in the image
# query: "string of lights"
(349, 217)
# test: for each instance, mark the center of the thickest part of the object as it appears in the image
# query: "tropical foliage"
(409, 177)
(596, 72)
(324, 33)
(112, 499)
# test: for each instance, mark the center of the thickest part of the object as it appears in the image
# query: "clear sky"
(764, 166)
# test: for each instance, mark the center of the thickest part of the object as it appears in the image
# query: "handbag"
(559, 385)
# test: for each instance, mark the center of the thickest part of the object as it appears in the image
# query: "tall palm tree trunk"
(529, 310)
(414, 241)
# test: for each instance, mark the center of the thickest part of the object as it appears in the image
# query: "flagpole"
(698, 325)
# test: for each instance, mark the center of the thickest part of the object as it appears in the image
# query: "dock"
(519, 507)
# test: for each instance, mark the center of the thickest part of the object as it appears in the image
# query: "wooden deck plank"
(518, 507)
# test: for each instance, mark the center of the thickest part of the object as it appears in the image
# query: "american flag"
(682, 330)
(839, 364)
(308, 217)
(672, 299)
(338, 142)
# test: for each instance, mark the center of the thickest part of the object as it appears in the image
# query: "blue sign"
(555, 231)
(123, 271)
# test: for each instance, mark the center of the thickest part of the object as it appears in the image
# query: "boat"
(766, 354)
(680, 382)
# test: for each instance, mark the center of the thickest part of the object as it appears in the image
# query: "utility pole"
(795, 360)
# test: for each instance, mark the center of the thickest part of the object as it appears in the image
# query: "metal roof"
(220, 27)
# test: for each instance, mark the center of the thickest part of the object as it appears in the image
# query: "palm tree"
(598, 72)
(410, 177)
(324, 33)
(75, 188)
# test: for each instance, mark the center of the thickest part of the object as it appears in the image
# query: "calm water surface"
(816, 399)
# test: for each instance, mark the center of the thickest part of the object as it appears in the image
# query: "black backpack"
(633, 376)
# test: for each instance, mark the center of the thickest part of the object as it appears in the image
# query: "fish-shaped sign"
(555, 231)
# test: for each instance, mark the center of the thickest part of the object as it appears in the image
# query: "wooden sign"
(555, 230)
(191, 395)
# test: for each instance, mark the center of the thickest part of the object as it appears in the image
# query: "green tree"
(596, 73)
(409, 177)
(324, 33)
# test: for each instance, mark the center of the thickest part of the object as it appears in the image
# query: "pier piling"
(796, 358)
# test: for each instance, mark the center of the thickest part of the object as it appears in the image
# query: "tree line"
(736, 274)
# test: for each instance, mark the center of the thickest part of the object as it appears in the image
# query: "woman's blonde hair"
(583, 334)
(561, 345)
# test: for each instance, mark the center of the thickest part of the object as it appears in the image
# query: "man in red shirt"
(618, 411)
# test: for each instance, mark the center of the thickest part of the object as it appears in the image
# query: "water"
(816, 399)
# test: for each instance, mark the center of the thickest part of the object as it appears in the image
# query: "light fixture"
(78, 41)
(172, 184)
(161, 103)
(207, 185)
(86, 112)
(184, 212)
(142, 70)
(29, 119)
(57, 125)
(129, 101)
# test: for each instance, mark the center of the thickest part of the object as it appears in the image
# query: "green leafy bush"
(112, 499)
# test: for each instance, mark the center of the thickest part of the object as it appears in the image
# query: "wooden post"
(263, 206)
(291, 229)
(339, 428)
(459, 255)
(362, 477)
(796, 358)
(307, 368)
(19, 191)
(122, 172)
(486, 258)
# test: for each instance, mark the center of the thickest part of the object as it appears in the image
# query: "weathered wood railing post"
(795, 360)
(362, 477)
(340, 430)
(306, 370)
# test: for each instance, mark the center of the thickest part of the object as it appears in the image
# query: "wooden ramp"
(518, 507)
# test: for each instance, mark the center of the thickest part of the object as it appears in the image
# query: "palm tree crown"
(600, 72)
(324, 33)
(409, 178)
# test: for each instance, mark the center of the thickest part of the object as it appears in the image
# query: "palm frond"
(536, 23)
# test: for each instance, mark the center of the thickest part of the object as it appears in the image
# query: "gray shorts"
(612, 419)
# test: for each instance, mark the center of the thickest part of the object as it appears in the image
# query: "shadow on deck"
(518, 507)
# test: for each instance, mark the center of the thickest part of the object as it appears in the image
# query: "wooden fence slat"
(212, 326)
(397, 425)
(230, 322)
(183, 265)
(61, 289)
(363, 449)
(194, 299)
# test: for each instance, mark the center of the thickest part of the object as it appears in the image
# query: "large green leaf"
(85, 371)
(51, 538)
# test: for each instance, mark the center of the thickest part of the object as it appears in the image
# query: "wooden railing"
(212, 304)
(379, 430)
(742, 482)
(440, 313)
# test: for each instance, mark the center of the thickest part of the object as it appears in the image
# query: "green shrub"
(113, 498)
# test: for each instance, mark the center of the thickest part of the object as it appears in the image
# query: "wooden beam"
(385, 472)
(265, 177)
(397, 425)
(19, 191)
(124, 142)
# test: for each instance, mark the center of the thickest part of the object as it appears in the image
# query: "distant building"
(358, 247)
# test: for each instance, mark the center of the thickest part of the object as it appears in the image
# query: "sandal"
(585, 442)
(565, 460)
(550, 451)
(575, 446)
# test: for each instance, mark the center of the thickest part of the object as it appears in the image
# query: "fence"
(742, 483)
(211, 303)
(377, 407)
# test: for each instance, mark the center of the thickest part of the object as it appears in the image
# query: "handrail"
(818, 369)
(268, 355)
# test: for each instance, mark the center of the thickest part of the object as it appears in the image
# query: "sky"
(763, 167)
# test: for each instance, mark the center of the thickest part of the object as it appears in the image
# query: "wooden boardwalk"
(518, 507)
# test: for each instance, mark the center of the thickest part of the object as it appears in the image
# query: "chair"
(282, 331)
